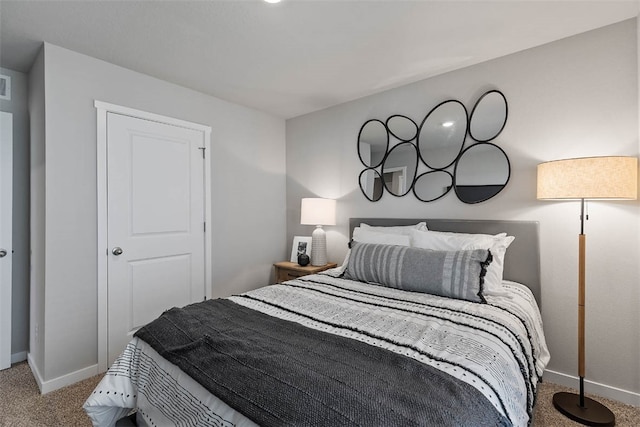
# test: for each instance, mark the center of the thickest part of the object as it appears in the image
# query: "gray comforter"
(278, 372)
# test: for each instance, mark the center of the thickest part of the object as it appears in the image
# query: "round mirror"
(373, 142)
(442, 134)
(482, 171)
(432, 185)
(488, 117)
(402, 127)
(371, 184)
(399, 168)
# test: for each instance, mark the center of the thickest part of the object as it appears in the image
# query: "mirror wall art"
(436, 157)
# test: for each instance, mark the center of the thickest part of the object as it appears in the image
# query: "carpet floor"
(21, 404)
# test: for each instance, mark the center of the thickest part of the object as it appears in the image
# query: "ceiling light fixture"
(447, 124)
(272, 1)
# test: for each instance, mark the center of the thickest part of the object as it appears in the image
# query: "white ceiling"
(297, 56)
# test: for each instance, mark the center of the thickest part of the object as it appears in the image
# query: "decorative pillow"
(445, 241)
(367, 235)
(395, 229)
(454, 274)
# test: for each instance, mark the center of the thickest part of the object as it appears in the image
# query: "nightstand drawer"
(290, 270)
(284, 275)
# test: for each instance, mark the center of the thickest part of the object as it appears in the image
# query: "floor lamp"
(586, 178)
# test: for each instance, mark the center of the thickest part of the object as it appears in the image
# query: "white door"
(6, 205)
(155, 223)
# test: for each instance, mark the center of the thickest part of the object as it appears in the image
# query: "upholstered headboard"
(522, 260)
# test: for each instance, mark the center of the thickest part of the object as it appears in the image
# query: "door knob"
(3, 253)
(117, 251)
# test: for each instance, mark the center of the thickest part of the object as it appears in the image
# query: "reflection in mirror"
(442, 134)
(488, 117)
(402, 127)
(482, 171)
(432, 185)
(373, 141)
(399, 168)
(371, 184)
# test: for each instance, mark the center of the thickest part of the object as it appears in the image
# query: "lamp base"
(318, 247)
(592, 414)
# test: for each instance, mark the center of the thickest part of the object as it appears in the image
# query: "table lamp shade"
(318, 212)
(589, 178)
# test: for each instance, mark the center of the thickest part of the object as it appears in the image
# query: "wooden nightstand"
(286, 270)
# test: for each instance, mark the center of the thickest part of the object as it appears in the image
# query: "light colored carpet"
(21, 404)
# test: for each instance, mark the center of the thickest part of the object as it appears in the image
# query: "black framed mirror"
(432, 185)
(371, 184)
(373, 143)
(488, 117)
(441, 135)
(402, 127)
(399, 168)
(481, 172)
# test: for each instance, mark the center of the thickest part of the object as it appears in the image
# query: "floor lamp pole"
(578, 407)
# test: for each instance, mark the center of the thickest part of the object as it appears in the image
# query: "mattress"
(497, 348)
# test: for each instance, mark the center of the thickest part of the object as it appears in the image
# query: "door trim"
(6, 206)
(102, 109)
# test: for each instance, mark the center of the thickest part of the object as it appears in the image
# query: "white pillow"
(365, 235)
(493, 278)
(445, 241)
(395, 229)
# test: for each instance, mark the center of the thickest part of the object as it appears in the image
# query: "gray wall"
(572, 98)
(20, 265)
(248, 191)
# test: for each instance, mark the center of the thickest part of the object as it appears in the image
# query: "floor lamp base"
(592, 414)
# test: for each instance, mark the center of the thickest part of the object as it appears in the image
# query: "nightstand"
(286, 270)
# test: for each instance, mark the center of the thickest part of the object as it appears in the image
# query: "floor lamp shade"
(586, 178)
(318, 212)
(589, 178)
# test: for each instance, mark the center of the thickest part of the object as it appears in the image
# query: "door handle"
(3, 253)
(117, 251)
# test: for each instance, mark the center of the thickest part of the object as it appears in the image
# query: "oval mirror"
(371, 184)
(402, 127)
(373, 142)
(489, 116)
(432, 185)
(399, 168)
(482, 171)
(442, 134)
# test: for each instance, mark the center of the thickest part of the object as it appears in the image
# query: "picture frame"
(301, 244)
(5, 87)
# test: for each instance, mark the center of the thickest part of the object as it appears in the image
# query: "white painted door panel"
(6, 230)
(155, 206)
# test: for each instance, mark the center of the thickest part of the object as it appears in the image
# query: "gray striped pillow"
(454, 274)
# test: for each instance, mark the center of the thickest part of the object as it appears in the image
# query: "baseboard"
(18, 357)
(63, 381)
(591, 387)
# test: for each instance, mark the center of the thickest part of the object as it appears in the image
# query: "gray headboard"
(522, 260)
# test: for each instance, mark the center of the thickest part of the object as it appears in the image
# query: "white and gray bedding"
(491, 355)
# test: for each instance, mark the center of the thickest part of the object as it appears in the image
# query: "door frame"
(6, 206)
(102, 109)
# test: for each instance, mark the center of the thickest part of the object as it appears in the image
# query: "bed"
(341, 348)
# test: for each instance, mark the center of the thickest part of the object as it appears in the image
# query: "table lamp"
(318, 212)
(580, 179)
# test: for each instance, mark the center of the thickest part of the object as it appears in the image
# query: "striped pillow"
(453, 274)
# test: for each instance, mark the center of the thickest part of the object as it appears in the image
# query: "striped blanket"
(497, 348)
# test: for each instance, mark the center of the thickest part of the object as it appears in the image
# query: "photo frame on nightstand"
(301, 244)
